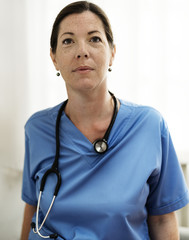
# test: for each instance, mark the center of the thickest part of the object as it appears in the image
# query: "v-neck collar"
(70, 134)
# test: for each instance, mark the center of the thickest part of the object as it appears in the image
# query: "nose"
(82, 51)
(79, 56)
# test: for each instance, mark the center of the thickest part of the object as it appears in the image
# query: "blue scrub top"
(103, 196)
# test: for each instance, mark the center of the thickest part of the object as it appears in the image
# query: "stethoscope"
(100, 146)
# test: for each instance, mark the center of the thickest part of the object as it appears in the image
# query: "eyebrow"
(69, 33)
(95, 31)
(89, 33)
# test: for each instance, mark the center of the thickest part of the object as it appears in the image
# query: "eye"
(95, 39)
(67, 41)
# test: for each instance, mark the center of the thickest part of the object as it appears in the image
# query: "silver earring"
(109, 69)
(57, 74)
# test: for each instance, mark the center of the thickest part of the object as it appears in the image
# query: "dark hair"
(79, 7)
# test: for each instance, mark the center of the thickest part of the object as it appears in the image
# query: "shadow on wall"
(11, 205)
(184, 233)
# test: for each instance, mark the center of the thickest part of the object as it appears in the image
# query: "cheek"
(64, 63)
(64, 57)
(64, 66)
(104, 60)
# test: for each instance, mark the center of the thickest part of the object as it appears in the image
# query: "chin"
(87, 84)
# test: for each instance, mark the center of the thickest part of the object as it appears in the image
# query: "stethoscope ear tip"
(33, 225)
(53, 236)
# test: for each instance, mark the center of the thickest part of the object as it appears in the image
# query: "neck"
(91, 114)
(89, 108)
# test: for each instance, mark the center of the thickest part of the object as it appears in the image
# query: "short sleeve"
(28, 183)
(168, 189)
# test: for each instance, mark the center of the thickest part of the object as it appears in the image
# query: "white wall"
(151, 67)
(13, 111)
(151, 64)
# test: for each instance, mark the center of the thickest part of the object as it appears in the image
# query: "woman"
(126, 185)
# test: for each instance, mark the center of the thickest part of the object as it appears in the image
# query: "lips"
(83, 69)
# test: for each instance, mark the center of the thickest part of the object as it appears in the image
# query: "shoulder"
(141, 110)
(42, 117)
(144, 115)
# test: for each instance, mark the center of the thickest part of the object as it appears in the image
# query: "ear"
(53, 58)
(112, 55)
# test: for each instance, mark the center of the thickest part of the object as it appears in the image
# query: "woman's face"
(83, 54)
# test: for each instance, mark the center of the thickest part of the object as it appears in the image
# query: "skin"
(90, 43)
(163, 227)
(28, 214)
(83, 56)
(82, 42)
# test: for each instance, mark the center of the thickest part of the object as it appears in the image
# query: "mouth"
(83, 69)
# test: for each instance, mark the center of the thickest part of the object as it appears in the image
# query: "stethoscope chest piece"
(100, 145)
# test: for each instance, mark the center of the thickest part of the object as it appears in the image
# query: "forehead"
(81, 21)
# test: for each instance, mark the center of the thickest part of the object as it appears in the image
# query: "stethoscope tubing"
(100, 146)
